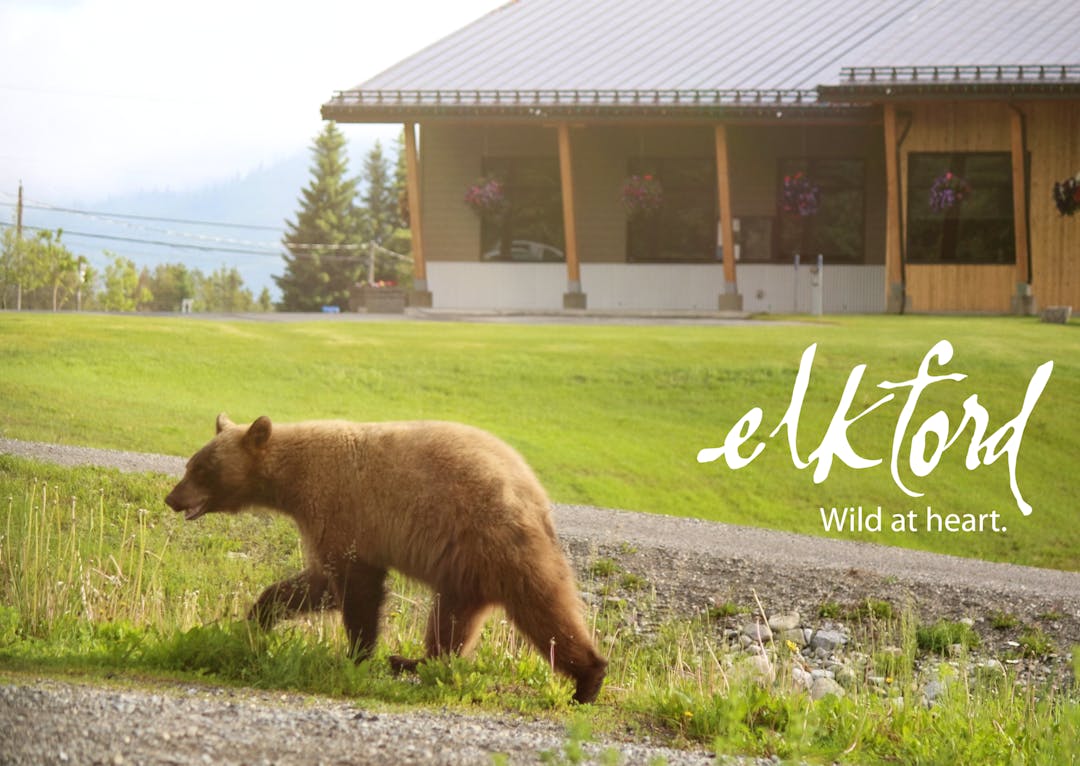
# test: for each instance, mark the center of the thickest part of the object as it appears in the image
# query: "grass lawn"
(98, 580)
(608, 415)
(97, 587)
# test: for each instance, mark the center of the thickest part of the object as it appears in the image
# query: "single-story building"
(705, 154)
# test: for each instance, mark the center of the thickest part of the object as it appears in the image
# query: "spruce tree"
(322, 276)
(382, 220)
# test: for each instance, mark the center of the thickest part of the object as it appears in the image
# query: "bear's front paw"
(400, 664)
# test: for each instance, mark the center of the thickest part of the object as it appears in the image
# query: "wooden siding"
(1053, 139)
(450, 159)
(1053, 146)
(955, 127)
(977, 288)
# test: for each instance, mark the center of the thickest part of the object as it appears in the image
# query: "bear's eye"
(205, 468)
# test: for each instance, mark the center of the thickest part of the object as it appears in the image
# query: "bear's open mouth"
(193, 513)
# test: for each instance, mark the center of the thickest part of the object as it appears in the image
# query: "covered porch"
(570, 240)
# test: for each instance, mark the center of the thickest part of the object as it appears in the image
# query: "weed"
(632, 582)
(1035, 643)
(871, 609)
(940, 637)
(725, 610)
(604, 567)
(1003, 620)
(830, 610)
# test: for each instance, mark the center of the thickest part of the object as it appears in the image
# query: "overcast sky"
(103, 97)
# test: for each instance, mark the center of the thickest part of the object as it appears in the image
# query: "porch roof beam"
(550, 105)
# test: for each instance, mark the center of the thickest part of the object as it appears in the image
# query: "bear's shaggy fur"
(444, 503)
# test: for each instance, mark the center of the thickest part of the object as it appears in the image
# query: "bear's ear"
(223, 422)
(258, 434)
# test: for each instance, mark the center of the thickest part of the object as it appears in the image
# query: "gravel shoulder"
(687, 565)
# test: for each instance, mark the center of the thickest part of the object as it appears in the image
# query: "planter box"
(1057, 314)
(383, 300)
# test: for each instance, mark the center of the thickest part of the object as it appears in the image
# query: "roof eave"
(862, 93)
(586, 104)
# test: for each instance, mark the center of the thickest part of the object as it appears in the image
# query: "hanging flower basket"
(642, 195)
(1067, 195)
(800, 196)
(948, 192)
(487, 197)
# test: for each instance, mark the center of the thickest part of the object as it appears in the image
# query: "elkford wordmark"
(929, 441)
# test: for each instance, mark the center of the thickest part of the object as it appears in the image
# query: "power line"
(133, 217)
(216, 244)
(177, 245)
(220, 249)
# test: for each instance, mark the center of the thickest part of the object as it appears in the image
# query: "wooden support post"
(1022, 302)
(574, 297)
(729, 300)
(894, 274)
(420, 296)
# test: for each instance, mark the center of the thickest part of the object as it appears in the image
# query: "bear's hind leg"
(454, 626)
(306, 592)
(360, 593)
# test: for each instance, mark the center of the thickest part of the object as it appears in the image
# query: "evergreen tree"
(315, 277)
(383, 213)
(380, 208)
(379, 211)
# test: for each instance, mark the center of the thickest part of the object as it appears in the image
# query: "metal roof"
(644, 44)
(642, 54)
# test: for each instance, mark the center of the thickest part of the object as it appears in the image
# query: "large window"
(532, 227)
(684, 228)
(836, 228)
(978, 229)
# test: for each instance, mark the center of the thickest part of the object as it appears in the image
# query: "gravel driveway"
(689, 564)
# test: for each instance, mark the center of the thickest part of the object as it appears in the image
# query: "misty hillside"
(256, 204)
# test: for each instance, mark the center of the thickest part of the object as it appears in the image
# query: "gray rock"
(825, 686)
(827, 640)
(801, 679)
(757, 667)
(756, 631)
(779, 623)
(845, 676)
(796, 636)
(933, 691)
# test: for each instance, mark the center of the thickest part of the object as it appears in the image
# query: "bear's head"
(224, 475)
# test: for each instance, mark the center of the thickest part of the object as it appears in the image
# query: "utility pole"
(18, 250)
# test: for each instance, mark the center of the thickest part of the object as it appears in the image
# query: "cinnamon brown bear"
(444, 503)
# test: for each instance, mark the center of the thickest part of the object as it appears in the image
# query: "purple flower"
(948, 191)
(800, 196)
(1067, 195)
(487, 197)
(642, 194)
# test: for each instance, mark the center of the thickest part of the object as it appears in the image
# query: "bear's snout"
(184, 498)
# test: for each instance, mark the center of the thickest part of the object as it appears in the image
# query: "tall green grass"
(96, 579)
(608, 415)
